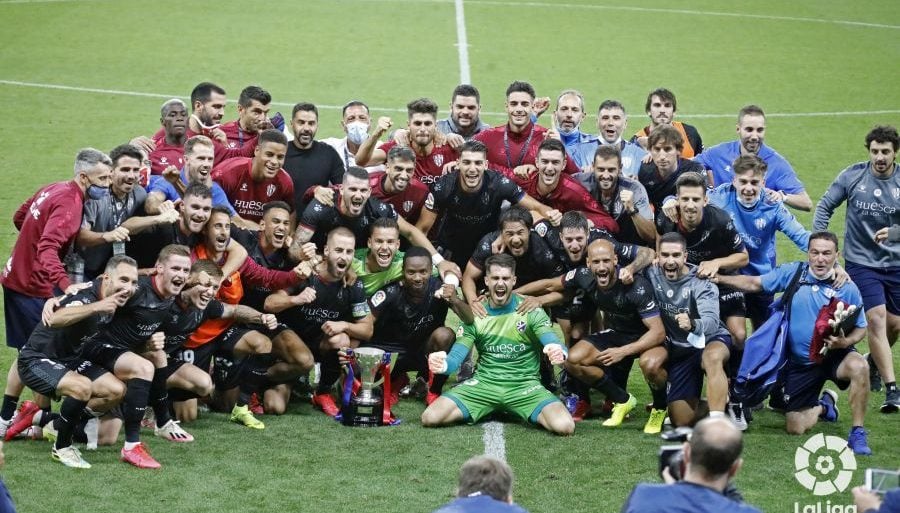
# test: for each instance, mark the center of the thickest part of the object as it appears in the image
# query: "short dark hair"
(825, 235)
(883, 134)
(515, 214)
(117, 260)
(665, 95)
(125, 150)
(666, 134)
(205, 265)
(198, 190)
(466, 90)
(272, 135)
(203, 92)
(520, 87)
(219, 209)
(611, 104)
(385, 222)
(714, 452)
(502, 260)
(273, 205)
(607, 151)
(485, 475)
(574, 220)
(415, 252)
(673, 237)
(750, 110)
(473, 146)
(355, 172)
(745, 163)
(253, 92)
(353, 103)
(401, 153)
(690, 179)
(421, 106)
(306, 107)
(551, 144)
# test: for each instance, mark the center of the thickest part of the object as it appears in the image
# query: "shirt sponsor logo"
(243, 187)
(877, 193)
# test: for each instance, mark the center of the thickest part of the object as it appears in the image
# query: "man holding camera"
(711, 459)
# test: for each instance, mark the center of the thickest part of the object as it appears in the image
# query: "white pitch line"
(119, 92)
(462, 44)
(494, 443)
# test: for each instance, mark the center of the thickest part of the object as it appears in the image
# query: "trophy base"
(363, 415)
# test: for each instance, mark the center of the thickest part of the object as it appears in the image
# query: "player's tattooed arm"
(246, 315)
(301, 236)
(642, 259)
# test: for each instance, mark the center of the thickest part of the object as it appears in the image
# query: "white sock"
(716, 414)
(131, 445)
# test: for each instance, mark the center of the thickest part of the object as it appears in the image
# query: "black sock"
(253, 376)
(437, 383)
(47, 418)
(660, 401)
(9, 406)
(890, 387)
(330, 372)
(612, 391)
(137, 392)
(159, 398)
(69, 414)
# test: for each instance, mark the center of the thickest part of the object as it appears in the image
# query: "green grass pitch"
(795, 59)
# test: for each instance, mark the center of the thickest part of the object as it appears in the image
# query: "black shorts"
(579, 310)
(803, 383)
(271, 333)
(172, 366)
(102, 353)
(685, 369)
(22, 314)
(202, 356)
(604, 340)
(731, 303)
(43, 374)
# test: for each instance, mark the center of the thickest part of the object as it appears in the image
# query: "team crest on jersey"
(438, 160)
(270, 190)
(378, 298)
(521, 325)
(407, 206)
(541, 229)
(877, 193)
(760, 223)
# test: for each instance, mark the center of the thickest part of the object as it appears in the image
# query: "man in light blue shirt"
(611, 123)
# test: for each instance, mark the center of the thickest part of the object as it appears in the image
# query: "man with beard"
(660, 174)
(611, 123)
(509, 345)
(408, 319)
(110, 221)
(221, 337)
(355, 124)
(696, 339)
(253, 110)
(513, 146)
(134, 330)
(432, 154)
(464, 121)
(872, 192)
(534, 259)
(632, 331)
(185, 371)
(48, 224)
(395, 186)
(356, 210)
(49, 363)
(465, 204)
(169, 151)
(781, 180)
(309, 162)
(624, 198)
(328, 313)
(194, 212)
(567, 120)
(251, 182)
(559, 191)
(661, 107)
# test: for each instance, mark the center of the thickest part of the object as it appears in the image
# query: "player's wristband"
(436, 259)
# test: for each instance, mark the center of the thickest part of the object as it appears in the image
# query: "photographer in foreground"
(711, 459)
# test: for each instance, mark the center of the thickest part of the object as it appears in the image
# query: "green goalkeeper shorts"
(478, 398)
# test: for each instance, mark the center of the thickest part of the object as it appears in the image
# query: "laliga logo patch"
(824, 464)
(520, 325)
(378, 298)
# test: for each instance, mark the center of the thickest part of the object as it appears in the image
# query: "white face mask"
(743, 201)
(357, 131)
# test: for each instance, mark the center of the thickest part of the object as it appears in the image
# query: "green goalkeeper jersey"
(509, 343)
(374, 281)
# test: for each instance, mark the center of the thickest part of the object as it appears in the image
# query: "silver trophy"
(366, 408)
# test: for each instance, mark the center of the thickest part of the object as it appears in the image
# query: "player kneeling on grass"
(509, 345)
(49, 365)
(409, 319)
(808, 367)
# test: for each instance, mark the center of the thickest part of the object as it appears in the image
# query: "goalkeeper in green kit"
(509, 346)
